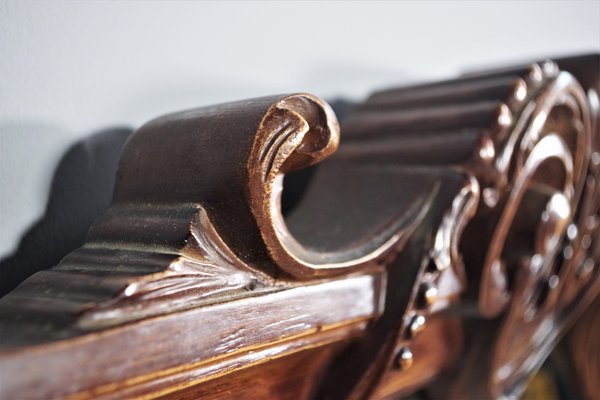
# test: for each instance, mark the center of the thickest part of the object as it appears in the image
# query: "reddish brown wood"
(292, 377)
(447, 245)
(280, 323)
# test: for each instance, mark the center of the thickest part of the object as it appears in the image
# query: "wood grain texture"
(446, 242)
(293, 377)
(200, 334)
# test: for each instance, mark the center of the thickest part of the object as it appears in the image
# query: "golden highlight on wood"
(441, 237)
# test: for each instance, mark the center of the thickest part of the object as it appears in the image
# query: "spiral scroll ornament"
(553, 201)
(525, 137)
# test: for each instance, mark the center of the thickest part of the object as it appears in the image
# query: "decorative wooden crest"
(526, 136)
(450, 211)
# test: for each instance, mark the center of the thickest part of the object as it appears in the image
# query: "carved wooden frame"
(453, 216)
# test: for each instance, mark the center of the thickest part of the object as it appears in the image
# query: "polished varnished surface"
(445, 239)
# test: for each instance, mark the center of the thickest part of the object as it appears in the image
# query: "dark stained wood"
(434, 351)
(292, 377)
(203, 333)
(584, 352)
(445, 243)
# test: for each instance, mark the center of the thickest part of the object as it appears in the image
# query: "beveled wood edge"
(165, 382)
(507, 128)
(199, 334)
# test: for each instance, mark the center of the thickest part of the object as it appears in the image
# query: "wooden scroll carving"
(446, 245)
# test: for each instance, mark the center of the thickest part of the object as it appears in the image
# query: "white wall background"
(68, 69)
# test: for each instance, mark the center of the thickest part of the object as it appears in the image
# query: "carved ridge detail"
(205, 271)
(465, 203)
(511, 130)
(299, 131)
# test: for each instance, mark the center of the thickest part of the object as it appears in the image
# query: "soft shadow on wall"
(81, 190)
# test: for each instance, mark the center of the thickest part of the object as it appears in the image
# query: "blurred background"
(69, 69)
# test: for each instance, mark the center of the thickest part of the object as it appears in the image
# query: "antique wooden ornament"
(447, 238)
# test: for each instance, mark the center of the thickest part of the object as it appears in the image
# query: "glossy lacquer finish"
(444, 238)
